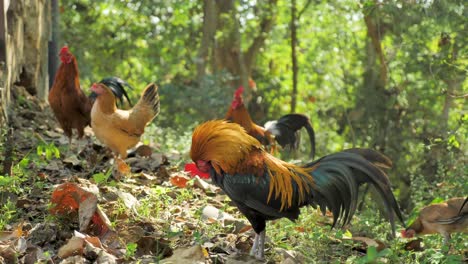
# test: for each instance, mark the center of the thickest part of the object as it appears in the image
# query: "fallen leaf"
(368, 242)
(194, 255)
(129, 200)
(414, 245)
(179, 181)
(69, 198)
(122, 167)
(8, 254)
(151, 246)
(300, 229)
(144, 151)
(73, 160)
(74, 246)
(86, 211)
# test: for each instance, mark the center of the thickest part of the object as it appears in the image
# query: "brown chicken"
(238, 113)
(70, 105)
(444, 218)
(284, 131)
(119, 129)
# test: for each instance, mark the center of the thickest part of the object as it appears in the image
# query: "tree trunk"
(54, 42)
(228, 51)
(294, 55)
(209, 30)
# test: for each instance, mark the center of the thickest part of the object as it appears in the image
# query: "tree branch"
(265, 27)
(374, 35)
(307, 4)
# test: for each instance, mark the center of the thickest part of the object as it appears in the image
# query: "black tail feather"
(337, 178)
(286, 131)
(117, 86)
(373, 156)
(463, 206)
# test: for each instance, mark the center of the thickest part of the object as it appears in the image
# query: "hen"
(285, 130)
(266, 188)
(444, 218)
(70, 105)
(121, 129)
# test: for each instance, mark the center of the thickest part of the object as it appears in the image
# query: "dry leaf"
(368, 242)
(70, 198)
(179, 181)
(193, 255)
(122, 167)
(144, 151)
(74, 246)
(86, 211)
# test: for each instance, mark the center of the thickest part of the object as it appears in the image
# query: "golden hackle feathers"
(223, 144)
(231, 150)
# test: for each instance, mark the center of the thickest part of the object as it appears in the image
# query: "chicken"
(238, 113)
(444, 218)
(121, 129)
(117, 86)
(70, 105)
(266, 188)
(285, 130)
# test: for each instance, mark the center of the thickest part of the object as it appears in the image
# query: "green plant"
(48, 151)
(130, 251)
(8, 213)
(100, 178)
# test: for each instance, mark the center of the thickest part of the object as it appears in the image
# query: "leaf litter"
(70, 215)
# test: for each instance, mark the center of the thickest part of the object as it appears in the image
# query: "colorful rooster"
(265, 188)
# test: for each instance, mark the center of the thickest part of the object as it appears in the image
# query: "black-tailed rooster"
(285, 130)
(265, 188)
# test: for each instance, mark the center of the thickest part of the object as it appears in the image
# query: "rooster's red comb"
(239, 91)
(64, 49)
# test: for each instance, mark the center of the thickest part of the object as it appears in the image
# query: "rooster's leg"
(258, 246)
(261, 246)
(253, 251)
(446, 239)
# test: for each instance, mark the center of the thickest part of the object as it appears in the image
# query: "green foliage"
(130, 251)
(8, 213)
(49, 151)
(101, 178)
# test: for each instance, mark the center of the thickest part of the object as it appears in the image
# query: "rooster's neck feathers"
(232, 151)
(70, 70)
(241, 116)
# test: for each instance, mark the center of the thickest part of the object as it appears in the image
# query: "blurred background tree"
(389, 75)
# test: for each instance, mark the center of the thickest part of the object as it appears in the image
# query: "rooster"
(70, 105)
(238, 113)
(443, 218)
(266, 188)
(119, 129)
(285, 130)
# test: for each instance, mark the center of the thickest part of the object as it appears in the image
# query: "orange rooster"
(443, 218)
(119, 129)
(266, 188)
(284, 131)
(70, 105)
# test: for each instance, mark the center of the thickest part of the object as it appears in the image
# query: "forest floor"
(62, 204)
